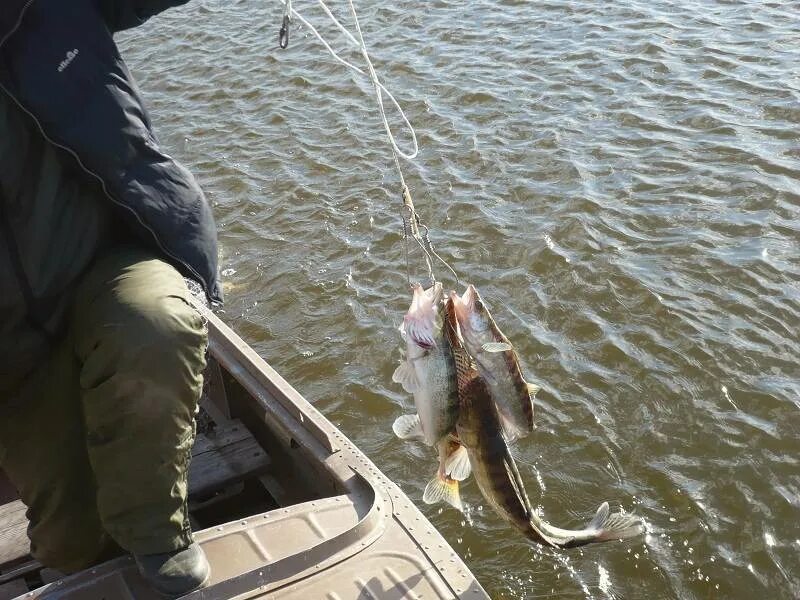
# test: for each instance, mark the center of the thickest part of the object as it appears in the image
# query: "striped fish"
(497, 363)
(480, 432)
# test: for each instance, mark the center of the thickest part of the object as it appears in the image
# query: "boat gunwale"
(230, 350)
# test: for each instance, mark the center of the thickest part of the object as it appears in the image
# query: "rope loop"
(411, 221)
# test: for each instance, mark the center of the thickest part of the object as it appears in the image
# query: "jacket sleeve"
(124, 14)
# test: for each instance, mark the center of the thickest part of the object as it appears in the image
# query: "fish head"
(420, 322)
(471, 312)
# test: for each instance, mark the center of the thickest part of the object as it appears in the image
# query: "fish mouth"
(459, 307)
(470, 298)
(464, 305)
(419, 324)
(435, 293)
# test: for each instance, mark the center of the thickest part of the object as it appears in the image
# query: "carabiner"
(283, 36)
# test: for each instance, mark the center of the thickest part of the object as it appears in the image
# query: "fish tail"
(614, 526)
(605, 526)
(443, 489)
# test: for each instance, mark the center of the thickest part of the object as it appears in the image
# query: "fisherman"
(101, 350)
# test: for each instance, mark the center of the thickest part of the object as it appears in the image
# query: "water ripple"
(619, 179)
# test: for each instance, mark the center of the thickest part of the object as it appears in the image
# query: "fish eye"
(480, 306)
(478, 324)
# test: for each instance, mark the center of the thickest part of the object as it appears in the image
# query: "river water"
(620, 180)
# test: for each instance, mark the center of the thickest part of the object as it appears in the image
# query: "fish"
(453, 468)
(480, 431)
(497, 363)
(428, 372)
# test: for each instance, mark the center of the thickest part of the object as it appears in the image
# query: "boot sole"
(169, 596)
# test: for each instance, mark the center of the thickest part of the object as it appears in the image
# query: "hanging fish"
(428, 372)
(480, 431)
(497, 362)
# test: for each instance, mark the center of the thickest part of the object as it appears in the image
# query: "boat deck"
(284, 505)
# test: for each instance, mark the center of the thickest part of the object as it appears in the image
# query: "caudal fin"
(614, 526)
(443, 489)
(604, 527)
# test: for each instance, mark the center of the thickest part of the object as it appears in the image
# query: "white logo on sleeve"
(68, 60)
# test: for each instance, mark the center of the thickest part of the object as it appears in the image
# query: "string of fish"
(413, 226)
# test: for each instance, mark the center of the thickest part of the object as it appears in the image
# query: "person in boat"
(101, 351)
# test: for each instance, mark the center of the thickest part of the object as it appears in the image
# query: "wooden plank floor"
(13, 532)
(223, 456)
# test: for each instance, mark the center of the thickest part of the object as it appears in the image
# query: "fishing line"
(411, 223)
(408, 204)
(381, 88)
(283, 35)
(429, 248)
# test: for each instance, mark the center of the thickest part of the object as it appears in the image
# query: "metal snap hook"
(283, 35)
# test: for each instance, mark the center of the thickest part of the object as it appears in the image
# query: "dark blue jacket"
(59, 63)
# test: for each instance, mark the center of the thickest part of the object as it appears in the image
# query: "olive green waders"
(98, 439)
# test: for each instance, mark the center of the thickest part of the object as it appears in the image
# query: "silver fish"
(429, 374)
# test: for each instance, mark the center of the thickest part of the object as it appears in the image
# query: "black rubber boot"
(176, 573)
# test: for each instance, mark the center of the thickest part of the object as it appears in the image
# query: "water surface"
(620, 180)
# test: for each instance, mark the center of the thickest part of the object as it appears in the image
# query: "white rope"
(413, 220)
(378, 95)
(336, 22)
(380, 89)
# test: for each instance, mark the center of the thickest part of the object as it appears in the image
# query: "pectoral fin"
(457, 465)
(405, 375)
(407, 427)
(532, 391)
(496, 347)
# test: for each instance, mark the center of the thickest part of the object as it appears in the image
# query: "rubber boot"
(174, 574)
